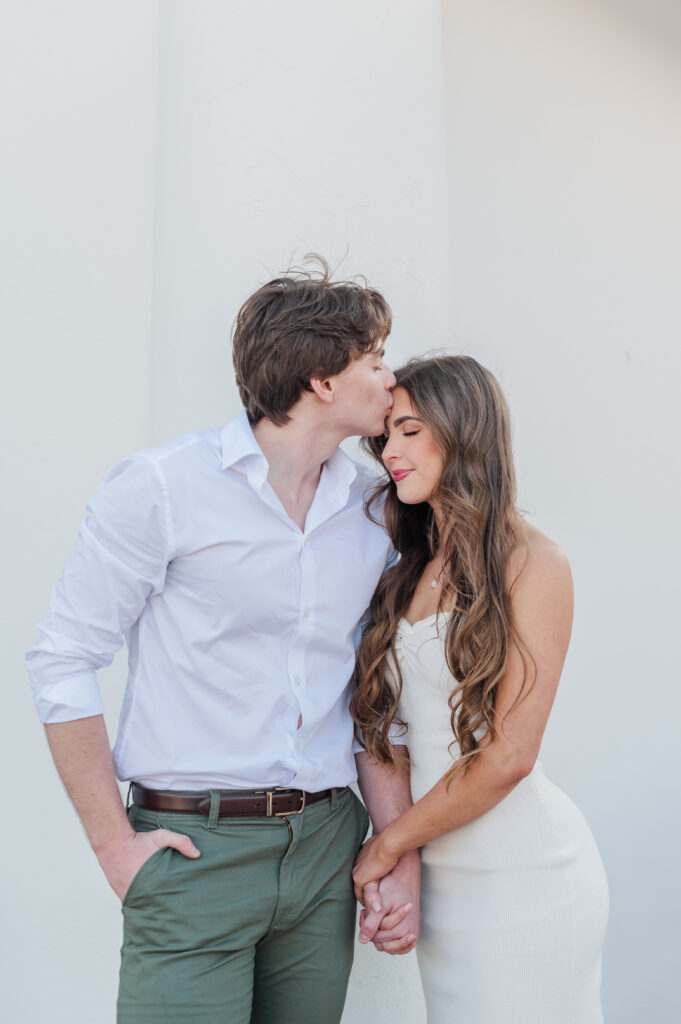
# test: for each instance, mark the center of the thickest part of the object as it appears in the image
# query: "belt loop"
(214, 813)
(334, 798)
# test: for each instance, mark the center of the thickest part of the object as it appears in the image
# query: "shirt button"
(306, 613)
(297, 680)
(297, 746)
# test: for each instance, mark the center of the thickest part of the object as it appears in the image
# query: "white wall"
(565, 217)
(79, 111)
(508, 174)
(286, 129)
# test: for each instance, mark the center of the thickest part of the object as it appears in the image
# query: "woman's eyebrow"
(403, 419)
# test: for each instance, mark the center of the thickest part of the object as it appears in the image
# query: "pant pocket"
(140, 880)
(363, 819)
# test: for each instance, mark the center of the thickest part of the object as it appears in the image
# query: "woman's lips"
(399, 474)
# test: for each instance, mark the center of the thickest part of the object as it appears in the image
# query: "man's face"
(362, 394)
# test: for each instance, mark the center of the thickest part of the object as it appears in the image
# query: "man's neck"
(295, 454)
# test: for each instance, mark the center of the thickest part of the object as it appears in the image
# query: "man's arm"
(387, 794)
(118, 562)
(81, 753)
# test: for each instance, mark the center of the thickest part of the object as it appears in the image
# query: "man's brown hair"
(299, 326)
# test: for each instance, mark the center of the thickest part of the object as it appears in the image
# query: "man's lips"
(399, 474)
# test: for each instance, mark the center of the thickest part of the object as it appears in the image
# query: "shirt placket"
(297, 657)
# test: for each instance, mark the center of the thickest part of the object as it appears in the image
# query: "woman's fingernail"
(377, 907)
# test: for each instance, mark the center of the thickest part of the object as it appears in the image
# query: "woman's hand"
(374, 860)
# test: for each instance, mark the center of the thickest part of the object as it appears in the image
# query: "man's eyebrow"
(402, 419)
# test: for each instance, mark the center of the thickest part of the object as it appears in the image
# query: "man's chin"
(376, 431)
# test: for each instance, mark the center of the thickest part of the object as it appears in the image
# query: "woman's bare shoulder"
(538, 557)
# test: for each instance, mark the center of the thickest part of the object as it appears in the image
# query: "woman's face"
(411, 454)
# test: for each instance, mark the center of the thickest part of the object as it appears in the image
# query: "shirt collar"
(238, 443)
(342, 471)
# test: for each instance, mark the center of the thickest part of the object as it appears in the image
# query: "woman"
(466, 641)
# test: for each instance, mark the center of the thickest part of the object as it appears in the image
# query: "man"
(236, 564)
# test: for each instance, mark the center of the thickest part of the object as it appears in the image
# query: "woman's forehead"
(402, 407)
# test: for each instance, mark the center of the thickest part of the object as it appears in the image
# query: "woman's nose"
(389, 452)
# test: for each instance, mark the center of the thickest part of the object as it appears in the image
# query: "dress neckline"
(420, 622)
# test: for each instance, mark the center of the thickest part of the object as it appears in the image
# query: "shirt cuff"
(69, 699)
(357, 747)
(397, 736)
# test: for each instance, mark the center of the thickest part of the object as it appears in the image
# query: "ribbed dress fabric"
(514, 904)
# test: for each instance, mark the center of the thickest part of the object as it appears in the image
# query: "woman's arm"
(541, 605)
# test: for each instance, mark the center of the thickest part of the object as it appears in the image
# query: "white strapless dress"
(515, 904)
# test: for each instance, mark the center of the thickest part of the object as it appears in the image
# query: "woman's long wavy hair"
(464, 408)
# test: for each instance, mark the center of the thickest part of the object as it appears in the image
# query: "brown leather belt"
(270, 803)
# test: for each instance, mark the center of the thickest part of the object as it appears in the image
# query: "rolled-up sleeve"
(397, 737)
(118, 562)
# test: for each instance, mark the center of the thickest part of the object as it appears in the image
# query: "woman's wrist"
(392, 840)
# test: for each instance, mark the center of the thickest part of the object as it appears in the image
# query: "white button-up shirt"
(237, 623)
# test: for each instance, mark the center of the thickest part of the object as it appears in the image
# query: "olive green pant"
(258, 930)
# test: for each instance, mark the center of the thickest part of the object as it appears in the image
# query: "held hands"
(373, 862)
(121, 859)
(390, 918)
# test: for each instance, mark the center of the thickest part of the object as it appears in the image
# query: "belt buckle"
(271, 813)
